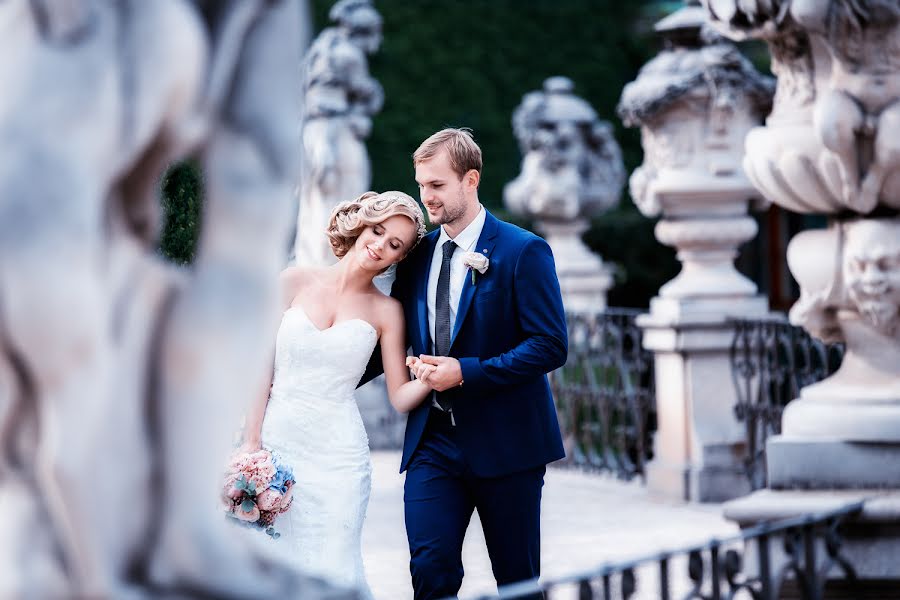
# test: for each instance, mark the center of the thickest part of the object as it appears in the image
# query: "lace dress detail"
(313, 421)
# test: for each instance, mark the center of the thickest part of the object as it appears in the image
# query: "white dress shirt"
(466, 241)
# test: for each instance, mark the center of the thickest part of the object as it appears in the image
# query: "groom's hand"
(446, 374)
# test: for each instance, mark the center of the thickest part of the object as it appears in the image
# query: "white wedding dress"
(313, 422)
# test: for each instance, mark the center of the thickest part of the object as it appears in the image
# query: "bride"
(333, 317)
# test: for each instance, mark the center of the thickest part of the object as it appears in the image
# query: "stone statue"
(571, 170)
(829, 145)
(572, 165)
(872, 274)
(694, 105)
(695, 102)
(340, 98)
(820, 291)
(122, 380)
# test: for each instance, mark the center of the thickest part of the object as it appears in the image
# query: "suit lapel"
(422, 290)
(485, 246)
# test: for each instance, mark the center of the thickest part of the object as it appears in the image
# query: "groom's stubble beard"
(452, 214)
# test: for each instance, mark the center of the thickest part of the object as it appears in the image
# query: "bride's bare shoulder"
(299, 276)
(389, 309)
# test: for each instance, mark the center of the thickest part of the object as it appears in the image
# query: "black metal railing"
(605, 395)
(801, 553)
(770, 361)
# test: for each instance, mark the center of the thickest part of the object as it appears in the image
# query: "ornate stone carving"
(340, 100)
(572, 165)
(695, 102)
(572, 170)
(871, 273)
(829, 145)
(121, 380)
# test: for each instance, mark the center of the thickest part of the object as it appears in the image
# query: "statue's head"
(569, 153)
(556, 123)
(361, 22)
(871, 269)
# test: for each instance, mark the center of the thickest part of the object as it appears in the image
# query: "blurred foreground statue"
(121, 381)
(340, 98)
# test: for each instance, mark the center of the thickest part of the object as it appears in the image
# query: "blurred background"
(468, 63)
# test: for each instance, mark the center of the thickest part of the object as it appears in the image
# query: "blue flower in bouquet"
(284, 475)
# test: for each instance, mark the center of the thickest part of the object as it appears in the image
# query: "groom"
(486, 341)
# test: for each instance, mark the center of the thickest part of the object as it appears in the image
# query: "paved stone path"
(586, 520)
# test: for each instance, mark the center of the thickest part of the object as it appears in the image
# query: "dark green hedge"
(182, 189)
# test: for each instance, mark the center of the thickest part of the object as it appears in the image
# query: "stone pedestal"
(699, 447)
(584, 279)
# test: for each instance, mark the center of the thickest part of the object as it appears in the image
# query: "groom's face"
(442, 191)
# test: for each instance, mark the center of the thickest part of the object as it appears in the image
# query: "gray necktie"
(442, 313)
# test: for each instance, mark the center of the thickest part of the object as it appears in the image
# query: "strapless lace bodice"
(313, 422)
(327, 362)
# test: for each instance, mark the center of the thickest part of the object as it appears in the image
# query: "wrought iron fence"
(803, 553)
(605, 394)
(770, 361)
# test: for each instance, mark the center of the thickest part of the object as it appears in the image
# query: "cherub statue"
(856, 107)
(340, 99)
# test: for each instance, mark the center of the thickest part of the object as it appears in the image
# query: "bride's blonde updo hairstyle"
(350, 218)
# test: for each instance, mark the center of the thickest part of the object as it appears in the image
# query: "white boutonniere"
(475, 261)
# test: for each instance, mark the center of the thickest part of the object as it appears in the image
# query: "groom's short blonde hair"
(464, 153)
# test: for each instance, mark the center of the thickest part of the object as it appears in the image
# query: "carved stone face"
(562, 141)
(872, 272)
(364, 26)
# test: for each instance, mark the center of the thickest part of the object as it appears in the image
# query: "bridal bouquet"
(258, 487)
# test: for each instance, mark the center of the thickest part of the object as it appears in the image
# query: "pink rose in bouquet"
(287, 498)
(257, 488)
(269, 500)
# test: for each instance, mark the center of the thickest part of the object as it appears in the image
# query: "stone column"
(831, 146)
(694, 104)
(572, 170)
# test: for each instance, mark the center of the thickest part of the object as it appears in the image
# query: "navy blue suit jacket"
(510, 332)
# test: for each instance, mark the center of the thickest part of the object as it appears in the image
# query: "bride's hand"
(249, 447)
(420, 370)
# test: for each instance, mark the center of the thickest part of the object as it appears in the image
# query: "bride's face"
(383, 244)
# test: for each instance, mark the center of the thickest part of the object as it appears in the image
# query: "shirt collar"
(468, 237)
